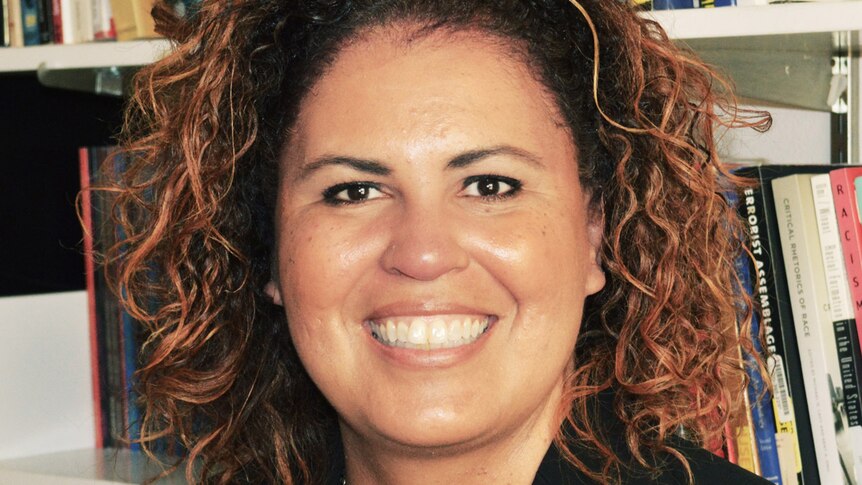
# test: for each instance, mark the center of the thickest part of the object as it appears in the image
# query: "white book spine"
(840, 304)
(809, 301)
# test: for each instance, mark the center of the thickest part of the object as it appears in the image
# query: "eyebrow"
(468, 158)
(374, 167)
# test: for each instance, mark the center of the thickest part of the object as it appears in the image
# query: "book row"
(805, 278)
(36, 22)
(681, 4)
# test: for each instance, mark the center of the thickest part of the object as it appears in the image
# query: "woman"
(408, 241)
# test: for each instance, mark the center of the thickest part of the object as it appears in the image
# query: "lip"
(426, 309)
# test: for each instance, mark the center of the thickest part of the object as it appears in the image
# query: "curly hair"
(202, 134)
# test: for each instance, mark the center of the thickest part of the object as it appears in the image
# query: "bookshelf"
(732, 35)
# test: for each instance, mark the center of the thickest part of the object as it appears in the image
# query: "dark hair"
(203, 132)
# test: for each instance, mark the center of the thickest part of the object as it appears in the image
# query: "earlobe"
(272, 291)
(595, 272)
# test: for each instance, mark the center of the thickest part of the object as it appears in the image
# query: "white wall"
(797, 136)
(46, 398)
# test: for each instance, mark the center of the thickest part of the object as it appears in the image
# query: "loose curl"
(202, 134)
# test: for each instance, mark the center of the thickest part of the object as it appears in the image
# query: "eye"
(491, 187)
(351, 193)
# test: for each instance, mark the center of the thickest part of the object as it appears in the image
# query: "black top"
(706, 467)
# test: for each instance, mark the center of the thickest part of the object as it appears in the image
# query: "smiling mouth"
(432, 332)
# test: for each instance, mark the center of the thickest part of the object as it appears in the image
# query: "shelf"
(85, 467)
(82, 56)
(780, 54)
(766, 20)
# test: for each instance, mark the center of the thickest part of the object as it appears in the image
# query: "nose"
(425, 245)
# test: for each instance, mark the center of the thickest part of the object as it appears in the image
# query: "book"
(757, 209)
(103, 24)
(845, 199)
(848, 422)
(30, 22)
(759, 398)
(794, 207)
(4, 23)
(16, 34)
(133, 20)
(674, 4)
(56, 22)
(116, 337)
(46, 21)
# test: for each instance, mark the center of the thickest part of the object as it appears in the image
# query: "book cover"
(790, 407)
(848, 426)
(815, 336)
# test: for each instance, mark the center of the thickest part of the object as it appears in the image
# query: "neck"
(510, 457)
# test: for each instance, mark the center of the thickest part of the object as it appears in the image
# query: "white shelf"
(81, 56)
(796, 18)
(85, 467)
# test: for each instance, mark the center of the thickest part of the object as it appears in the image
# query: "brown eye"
(491, 186)
(351, 193)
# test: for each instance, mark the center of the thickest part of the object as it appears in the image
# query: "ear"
(273, 292)
(595, 278)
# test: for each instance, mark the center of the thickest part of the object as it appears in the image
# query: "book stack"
(115, 337)
(37, 22)
(805, 279)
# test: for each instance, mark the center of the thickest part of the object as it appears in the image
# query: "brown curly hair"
(202, 135)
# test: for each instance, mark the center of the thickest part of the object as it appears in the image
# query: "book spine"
(102, 24)
(759, 397)
(16, 34)
(67, 19)
(46, 22)
(4, 23)
(805, 277)
(82, 20)
(841, 309)
(57, 21)
(847, 211)
(674, 4)
(90, 275)
(30, 22)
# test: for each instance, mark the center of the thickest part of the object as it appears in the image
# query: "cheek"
(538, 252)
(321, 261)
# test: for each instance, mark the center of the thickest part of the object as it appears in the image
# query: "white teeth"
(455, 330)
(438, 332)
(428, 332)
(391, 331)
(418, 332)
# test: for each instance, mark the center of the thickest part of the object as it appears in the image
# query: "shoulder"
(706, 468)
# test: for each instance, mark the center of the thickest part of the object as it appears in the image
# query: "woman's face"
(434, 245)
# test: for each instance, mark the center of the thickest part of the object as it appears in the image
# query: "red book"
(850, 227)
(58, 21)
(86, 211)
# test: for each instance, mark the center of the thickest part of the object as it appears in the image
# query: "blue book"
(674, 4)
(759, 397)
(30, 22)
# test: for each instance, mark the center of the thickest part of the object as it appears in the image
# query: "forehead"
(394, 89)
